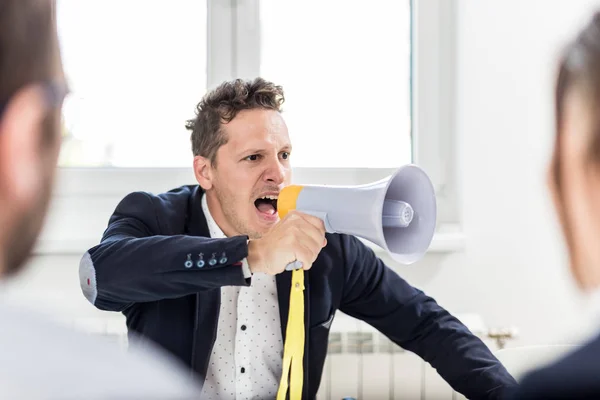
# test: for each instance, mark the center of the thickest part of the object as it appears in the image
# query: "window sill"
(447, 240)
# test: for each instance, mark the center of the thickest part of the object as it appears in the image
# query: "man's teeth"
(269, 197)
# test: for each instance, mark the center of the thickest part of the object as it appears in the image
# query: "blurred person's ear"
(21, 130)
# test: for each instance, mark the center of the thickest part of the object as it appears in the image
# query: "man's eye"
(285, 155)
(252, 157)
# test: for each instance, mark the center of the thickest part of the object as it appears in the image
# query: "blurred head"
(242, 154)
(31, 93)
(575, 168)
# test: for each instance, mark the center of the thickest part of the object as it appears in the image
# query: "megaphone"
(397, 213)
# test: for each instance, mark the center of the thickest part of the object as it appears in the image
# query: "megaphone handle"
(293, 265)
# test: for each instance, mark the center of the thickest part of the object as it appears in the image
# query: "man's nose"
(275, 172)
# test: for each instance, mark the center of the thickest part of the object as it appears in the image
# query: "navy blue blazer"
(139, 269)
(574, 376)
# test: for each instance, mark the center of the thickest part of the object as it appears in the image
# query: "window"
(137, 69)
(369, 87)
(345, 69)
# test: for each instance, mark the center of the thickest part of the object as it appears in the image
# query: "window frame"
(235, 25)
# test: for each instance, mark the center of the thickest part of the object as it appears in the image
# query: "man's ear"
(21, 126)
(203, 170)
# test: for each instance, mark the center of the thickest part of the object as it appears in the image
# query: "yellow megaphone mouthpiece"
(287, 199)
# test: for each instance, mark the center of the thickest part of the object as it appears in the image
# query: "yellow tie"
(293, 349)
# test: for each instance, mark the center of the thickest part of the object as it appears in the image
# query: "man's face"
(251, 168)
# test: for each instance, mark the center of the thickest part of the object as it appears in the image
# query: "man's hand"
(298, 237)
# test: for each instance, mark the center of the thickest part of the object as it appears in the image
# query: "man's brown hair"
(222, 104)
(27, 44)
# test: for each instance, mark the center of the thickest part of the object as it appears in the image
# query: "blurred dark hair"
(27, 44)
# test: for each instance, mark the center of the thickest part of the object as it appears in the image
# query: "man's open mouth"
(266, 204)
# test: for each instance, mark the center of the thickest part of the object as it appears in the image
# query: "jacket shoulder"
(347, 250)
(167, 211)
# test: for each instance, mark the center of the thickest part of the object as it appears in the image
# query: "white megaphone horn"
(397, 213)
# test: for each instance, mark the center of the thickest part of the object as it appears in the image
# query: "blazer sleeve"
(377, 295)
(134, 263)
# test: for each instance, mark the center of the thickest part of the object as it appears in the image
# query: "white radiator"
(366, 365)
(363, 364)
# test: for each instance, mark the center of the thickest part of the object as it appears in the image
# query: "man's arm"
(133, 263)
(377, 295)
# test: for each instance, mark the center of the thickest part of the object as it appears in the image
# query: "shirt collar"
(213, 228)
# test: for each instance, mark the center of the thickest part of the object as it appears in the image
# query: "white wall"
(513, 271)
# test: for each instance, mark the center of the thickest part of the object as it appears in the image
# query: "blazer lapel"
(284, 284)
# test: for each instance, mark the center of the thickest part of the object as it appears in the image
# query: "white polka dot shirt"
(246, 359)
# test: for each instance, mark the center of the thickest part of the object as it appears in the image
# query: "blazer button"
(212, 260)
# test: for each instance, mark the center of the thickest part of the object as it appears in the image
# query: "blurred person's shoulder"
(41, 359)
(572, 376)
